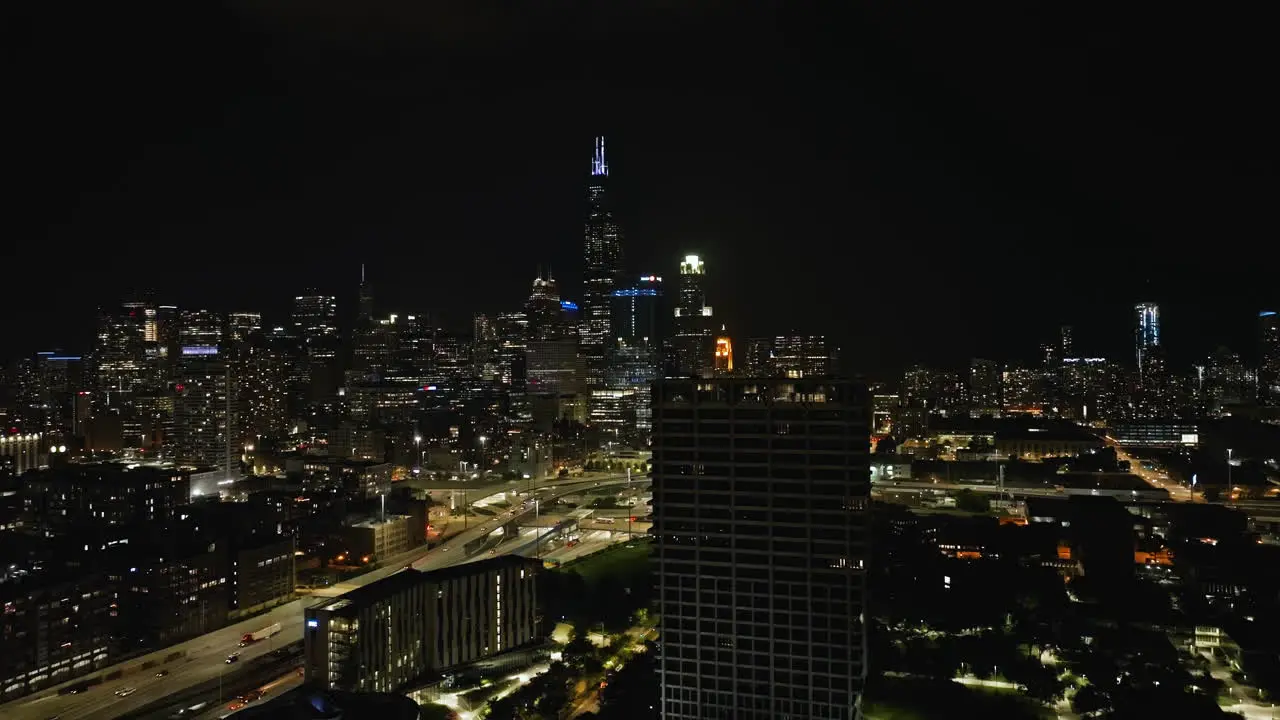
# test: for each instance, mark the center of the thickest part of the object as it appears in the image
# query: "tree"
(1089, 699)
(970, 501)
(504, 708)
(632, 694)
(1041, 682)
(578, 650)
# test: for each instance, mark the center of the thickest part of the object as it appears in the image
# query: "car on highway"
(233, 657)
(162, 673)
(126, 691)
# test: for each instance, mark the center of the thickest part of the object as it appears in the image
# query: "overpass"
(199, 661)
(1262, 511)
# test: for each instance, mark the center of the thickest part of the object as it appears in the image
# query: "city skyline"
(1117, 344)
(884, 209)
(640, 360)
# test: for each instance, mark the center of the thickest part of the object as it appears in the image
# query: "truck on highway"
(263, 634)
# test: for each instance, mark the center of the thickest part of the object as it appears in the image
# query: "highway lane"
(204, 655)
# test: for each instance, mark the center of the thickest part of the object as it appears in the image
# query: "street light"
(417, 442)
(1229, 486)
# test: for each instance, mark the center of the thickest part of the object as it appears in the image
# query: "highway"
(202, 658)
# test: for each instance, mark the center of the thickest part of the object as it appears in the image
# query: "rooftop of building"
(1080, 510)
(377, 522)
(107, 471)
(308, 704)
(408, 577)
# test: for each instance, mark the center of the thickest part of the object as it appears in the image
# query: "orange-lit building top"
(724, 355)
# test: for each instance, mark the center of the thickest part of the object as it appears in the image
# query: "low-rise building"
(411, 625)
(381, 538)
(52, 631)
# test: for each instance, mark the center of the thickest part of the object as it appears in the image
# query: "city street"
(1155, 478)
(203, 657)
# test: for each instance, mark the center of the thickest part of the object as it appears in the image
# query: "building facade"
(388, 634)
(760, 497)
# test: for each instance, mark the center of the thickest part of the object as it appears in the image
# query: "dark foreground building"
(760, 496)
(388, 634)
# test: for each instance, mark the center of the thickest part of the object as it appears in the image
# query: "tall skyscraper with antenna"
(602, 255)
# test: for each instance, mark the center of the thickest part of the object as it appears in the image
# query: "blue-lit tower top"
(598, 165)
(1146, 329)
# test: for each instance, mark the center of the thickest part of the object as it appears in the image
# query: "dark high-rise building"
(757, 357)
(760, 495)
(693, 345)
(603, 264)
(1068, 343)
(364, 303)
(545, 313)
(1226, 382)
(984, 385)
(637, 312)
(78, 497)
(1269, 358)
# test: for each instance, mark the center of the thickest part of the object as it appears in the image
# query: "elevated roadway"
(201, 659)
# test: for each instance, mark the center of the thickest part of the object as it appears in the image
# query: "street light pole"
(1230, 488)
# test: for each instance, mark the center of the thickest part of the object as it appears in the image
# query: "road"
(204, 656)
(270, 691)
(1155, 478)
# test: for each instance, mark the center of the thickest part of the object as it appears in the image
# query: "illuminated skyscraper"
(1146, 332)
(206, 402)
(1269, 358)
(603, 262)
(724, 354)
(315, 318)
(315, 329)
(119, 355)
(693, 344)
(799, 356)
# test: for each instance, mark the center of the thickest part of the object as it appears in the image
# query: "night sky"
(922, 185)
